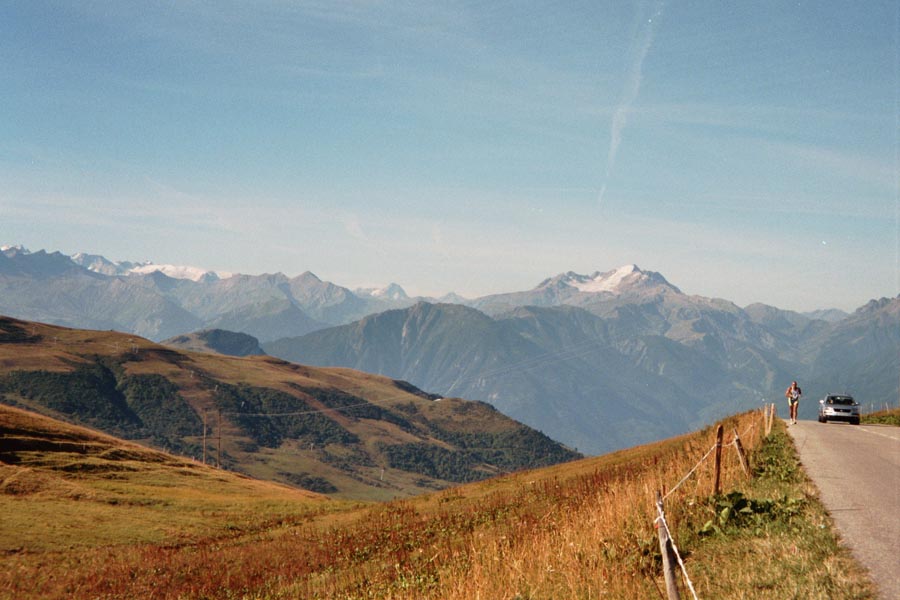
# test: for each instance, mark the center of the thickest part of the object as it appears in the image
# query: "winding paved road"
(857, 471)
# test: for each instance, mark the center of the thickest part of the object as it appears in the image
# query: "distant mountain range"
(597, 361)
(161, 301)
(614, 359)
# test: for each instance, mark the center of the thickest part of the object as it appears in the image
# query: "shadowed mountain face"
(591, 382)
(217, 340)
(859, 355)
(645, 370)
(599, 361)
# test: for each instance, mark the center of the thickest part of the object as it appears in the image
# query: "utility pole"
(219, 444)
(204, 437)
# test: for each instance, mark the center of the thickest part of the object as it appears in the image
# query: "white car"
(839, 407)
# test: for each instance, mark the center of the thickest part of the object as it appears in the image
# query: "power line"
(574, 351)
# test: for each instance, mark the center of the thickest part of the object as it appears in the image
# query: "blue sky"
(748, 152)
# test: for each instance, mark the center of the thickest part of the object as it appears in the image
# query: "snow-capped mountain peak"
(10, 250)
(179, 272)
(627, 278)
(611, 281)
(104, 266)
(390, 292)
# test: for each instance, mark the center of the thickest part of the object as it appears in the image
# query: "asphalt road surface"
(857, 471)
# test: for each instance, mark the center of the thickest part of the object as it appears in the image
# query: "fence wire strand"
(691, 472)
(661, 521)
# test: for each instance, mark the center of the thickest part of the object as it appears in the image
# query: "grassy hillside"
(65, 487)
(583, 529)
(334, 431)
(889, 416)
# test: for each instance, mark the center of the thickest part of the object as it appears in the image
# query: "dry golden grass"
(88, 516)
(64, 486)
(579, 530)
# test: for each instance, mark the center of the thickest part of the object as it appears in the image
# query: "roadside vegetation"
(883, 417)
(583, 529)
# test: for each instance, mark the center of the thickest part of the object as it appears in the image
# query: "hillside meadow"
(341, 432)
(118, 521)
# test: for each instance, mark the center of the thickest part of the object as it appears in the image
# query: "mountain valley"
(598, 362)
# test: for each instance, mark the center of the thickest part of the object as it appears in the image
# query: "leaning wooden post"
(668, 553)
(717, 479)
(741, 454)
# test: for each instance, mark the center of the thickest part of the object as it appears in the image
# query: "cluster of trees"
(435, 461)
(353, 406)
(270, 416)
(477, 455)
(100, 392)
(12, 333)
(310, 482)
(101, 395)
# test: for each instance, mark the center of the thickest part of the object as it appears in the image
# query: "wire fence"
(668, 547)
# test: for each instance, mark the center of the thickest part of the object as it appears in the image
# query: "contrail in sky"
(646, 30)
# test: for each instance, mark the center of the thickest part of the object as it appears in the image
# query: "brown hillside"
(337, 431)
(117, 521)
(64, 486)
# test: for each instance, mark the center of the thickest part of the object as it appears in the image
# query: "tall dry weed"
(581, 530)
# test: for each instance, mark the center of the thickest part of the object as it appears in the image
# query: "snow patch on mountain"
(611, 282)
(389, 292)
(179, 272)
(11, 251)
(104, 266)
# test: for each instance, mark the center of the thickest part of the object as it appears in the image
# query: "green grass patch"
(770, 539)
(883, 417)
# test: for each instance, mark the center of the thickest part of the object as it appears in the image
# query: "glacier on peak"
(101, 264)
(179, 272)
(626, 278)
(12, 250)
(611, 281)
(391, 291)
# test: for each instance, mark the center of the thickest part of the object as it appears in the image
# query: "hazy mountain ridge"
(598, 361)
(644, 370)
(595, 383)
(861, 355)
(161, 301)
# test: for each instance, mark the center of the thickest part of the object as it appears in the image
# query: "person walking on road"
(793, 397)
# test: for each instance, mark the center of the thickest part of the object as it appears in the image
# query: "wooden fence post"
(717, 478)
(741, 455)
(668, 553)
